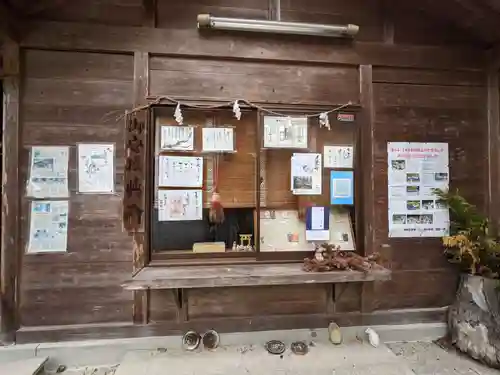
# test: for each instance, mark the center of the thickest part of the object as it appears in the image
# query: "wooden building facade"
(70, 70)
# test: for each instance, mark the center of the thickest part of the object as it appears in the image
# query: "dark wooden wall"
(421, 93)
(70, 97)
(427, 106)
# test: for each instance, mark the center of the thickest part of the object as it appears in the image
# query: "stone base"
(474, 319)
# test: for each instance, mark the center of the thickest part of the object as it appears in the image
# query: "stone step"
(32, 366)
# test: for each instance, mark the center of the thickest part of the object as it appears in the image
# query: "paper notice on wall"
(96, 171)
(180, 171)
(285, 132)
(414, 170)
(306, 174)
(48, 227)
(180, 205)
(218, 139)
(48, 172)
(177, 138)
(338, 157)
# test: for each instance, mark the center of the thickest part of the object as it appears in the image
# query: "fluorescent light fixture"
(206, 21)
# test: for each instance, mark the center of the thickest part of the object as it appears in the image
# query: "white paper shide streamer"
(178, 114)
(324, 120)
(237, 110)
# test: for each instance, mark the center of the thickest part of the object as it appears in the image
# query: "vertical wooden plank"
(274, 10)
(367, 153)
(150, 13)
(141, 246)
(387, 11)
(493, 203)
(10, 251)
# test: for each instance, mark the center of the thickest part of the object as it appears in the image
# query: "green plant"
(469, 244)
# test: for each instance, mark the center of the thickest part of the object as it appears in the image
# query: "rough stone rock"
(474, 319)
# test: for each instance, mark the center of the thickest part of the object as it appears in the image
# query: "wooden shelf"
(183, 277)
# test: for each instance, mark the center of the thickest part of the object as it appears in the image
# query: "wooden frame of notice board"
(270, 187)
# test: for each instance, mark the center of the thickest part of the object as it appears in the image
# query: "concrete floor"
(323, 359)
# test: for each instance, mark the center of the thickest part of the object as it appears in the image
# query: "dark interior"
(181, 235)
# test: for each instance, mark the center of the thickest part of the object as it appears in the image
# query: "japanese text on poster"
(48, 227)
(414, 170)
(285, 132)
(338, 157)
(96, 172)
(48, 172)
(177, 138)
(306, 174)
(218, 139)
(180, 171)
(179, 205)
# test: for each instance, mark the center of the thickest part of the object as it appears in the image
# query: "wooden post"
(10, 246)
(141, 245)
(493, 204)
(367, 125)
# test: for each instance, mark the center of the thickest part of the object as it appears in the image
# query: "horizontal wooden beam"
(244, 275)
(226, 324)
(191, 43)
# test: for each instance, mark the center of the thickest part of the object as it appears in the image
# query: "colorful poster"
(218, 139)
(285, 132)
(48, 227)
(48, 172)
(180, 205)
(177, 138)
(96, 171)
(341, 157)
(342, 187)
(180, 171)
(306, 174)
(414, 170)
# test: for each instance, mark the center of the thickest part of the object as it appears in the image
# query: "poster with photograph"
(306, 174)
(96, 170)
(338, 157)
(285, 132)
(48, 174)
(218, 139)
(177, 138)
(180, 171)
(414, 171)
(48, 227)
(180, 205)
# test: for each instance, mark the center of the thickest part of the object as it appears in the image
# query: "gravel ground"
(430, 359)
(103, 370)
(423, 358)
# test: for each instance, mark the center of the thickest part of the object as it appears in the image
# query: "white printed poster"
(306, 176)
(218, 139)
(338, 157)
(414, 170)
(177, 138)
(48, 227)
(285, 132)
(48, 172)
(180, 171)
(180, 205)
(96, 171)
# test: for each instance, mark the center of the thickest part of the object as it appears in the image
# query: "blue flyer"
(342, 187)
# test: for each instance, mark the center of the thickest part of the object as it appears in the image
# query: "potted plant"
(474, 317)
